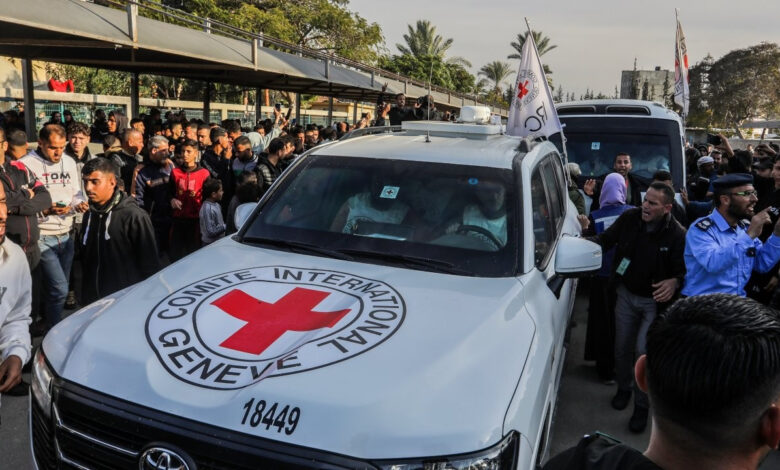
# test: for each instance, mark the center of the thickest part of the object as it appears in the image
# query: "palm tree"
(542, 45)
(496, 72)
(422, 41)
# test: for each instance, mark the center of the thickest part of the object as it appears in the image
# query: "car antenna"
(428, 105)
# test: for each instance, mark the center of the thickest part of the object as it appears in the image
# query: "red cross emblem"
(522, 89)
(267, 322)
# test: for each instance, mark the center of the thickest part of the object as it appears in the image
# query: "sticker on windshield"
(595, 145)
(390, 192)
(232, 330)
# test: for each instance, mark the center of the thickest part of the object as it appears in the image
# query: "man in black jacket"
(25, 197)
(648, 269)
(117, 238)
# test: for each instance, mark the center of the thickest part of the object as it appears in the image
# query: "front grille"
(42, 438)
(98, 432)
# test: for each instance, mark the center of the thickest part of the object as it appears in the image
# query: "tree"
(324, 25)
(543, 45)
(744, 84)
(423, 57)
(667, 91)
(422, 40)
(699, 114)
(495, 72)
(423, 68)
(634, 89)
(558, 98)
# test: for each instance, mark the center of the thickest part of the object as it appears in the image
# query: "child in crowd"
(212, 227)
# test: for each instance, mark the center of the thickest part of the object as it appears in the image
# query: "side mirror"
(242, 213)
(576, 257)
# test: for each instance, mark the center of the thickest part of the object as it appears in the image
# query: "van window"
(595, 152)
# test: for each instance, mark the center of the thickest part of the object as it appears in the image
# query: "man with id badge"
(648, 269)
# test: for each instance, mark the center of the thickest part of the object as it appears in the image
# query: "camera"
(278, 106)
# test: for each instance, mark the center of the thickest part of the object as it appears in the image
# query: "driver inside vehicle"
(485, 218)
(364, 212)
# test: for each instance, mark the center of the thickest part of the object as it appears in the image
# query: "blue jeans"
(56, 260)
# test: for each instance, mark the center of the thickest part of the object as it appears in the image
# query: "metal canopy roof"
(81, 33)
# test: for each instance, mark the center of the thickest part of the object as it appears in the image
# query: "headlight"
(502, 456)
(41, 383)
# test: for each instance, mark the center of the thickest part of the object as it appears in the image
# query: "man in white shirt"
(59, 173)
(15, 300)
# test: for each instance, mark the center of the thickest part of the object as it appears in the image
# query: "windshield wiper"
(411, 261)
(299, 247)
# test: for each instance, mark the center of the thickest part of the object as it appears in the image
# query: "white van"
(395, 301)
(597, 130)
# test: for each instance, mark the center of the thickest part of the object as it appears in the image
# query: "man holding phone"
(721, 251)
(59, 173)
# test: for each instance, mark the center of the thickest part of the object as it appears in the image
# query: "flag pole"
(541, 67)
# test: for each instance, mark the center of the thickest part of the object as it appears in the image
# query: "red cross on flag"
(532, 113)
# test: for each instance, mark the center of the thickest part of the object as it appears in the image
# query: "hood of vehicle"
(380, 361)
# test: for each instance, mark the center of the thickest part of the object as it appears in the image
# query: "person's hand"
(664, 290)
(589, 187)
(175, 203)
(10, 373)
(227, 154)
(684, 197)
(776, 232)
(30, 192)
(772, 284)
(728, 152)
(757, 223)
(584, 221)
(59, 210)
(82, 207)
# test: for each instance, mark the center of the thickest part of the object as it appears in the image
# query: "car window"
(542, 218)
(554, 191)
(458, 215)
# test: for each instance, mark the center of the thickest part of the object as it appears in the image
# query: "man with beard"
(721, 250)
(117, 238)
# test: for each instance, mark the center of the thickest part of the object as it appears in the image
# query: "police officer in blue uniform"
(722, 249)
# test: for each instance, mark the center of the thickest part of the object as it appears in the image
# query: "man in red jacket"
(187, 185)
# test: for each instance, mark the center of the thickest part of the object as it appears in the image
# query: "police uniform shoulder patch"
(704, 224)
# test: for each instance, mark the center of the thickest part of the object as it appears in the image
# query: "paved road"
(583, 407)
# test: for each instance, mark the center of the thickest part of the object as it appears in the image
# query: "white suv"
(396, 301)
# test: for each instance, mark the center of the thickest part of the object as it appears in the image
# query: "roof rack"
(370, 131)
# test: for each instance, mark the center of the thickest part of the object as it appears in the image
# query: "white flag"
(532, 113)
(682, 93)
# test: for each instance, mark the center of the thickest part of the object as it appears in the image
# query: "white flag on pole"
(532, 113)
(681, 91)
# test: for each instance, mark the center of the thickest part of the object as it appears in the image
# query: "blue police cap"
(732, 180)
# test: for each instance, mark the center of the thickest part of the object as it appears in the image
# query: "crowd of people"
(721, 236)
(164, 187)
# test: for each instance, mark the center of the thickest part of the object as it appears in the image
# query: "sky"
(596, 39)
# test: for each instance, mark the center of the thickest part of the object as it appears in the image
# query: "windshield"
(431, 216)
(595, 152)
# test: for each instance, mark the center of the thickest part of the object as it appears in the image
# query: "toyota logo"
(161, 458)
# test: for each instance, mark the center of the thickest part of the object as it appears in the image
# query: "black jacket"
(117, 247)
(22, 223)
(597, 452)
(659, 258)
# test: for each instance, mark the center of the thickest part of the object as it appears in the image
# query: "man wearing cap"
(721, 250)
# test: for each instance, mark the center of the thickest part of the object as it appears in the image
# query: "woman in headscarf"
(600, 335)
